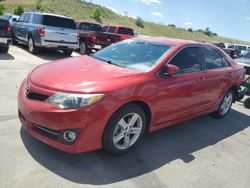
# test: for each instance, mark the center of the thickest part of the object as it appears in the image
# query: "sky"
(228, 18)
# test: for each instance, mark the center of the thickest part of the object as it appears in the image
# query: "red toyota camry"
(112, 97)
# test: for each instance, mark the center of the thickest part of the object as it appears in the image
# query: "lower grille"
(37, 97)
(53, 134)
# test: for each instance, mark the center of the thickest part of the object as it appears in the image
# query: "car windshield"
(247, 55)
(134, 54)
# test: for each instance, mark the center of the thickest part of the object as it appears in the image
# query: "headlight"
(72, 101)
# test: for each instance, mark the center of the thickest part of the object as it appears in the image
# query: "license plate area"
(3, 40)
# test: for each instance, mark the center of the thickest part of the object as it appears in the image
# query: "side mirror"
(14, 20)
(171, 70)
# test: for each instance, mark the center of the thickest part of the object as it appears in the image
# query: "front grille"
(53, 134)
(37, 96)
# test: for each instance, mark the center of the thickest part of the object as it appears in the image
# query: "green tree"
(96, 13)
(208, 32)
(190, 30)
(139, 22)
(39, 5)
(18, 10)
(2, 8)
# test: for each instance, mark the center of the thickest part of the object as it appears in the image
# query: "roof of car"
(176, 42)
(49, 14)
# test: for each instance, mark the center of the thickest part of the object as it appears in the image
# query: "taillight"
(8, 29)
(41, 31)
(78, 36)
(93, 38)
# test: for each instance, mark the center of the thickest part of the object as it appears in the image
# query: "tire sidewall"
(219, 113)
(110, 127)
(81, 44)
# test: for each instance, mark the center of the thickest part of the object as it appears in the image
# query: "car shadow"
(155, 150)
(6, 57)
(46, 54)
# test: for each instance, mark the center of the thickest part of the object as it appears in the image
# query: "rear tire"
(4, 49)
(247, 103)
(32, 47)
(225, 104)
(67, 52)
(124, 129)
(83, 48)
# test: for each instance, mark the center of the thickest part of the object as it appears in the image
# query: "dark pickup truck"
(5, 39)
(91, 37)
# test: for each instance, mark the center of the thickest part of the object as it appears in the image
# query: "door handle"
(201, 79)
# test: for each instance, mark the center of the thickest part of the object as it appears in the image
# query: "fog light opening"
(69, 136)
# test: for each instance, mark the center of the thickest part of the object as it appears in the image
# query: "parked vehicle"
(5, 39)
(231, 51)
(110, 98)
(46, 30)
(91, 37)
(241, 48)
(124, 32)
(10, 17)
(245, 61)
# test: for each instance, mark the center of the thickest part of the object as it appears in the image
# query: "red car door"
(218, 76)
(182, 95)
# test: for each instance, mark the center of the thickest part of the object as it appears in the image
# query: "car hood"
(243, 61)
(81, 74)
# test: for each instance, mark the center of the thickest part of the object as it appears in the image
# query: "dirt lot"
(204, 152)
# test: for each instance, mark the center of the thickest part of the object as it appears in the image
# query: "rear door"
(18, 27)
(218, 76)
(59, 29)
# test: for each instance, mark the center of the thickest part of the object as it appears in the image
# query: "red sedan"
(112, 97)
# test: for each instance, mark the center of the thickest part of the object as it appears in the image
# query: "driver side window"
(21, 19)
(188, 60)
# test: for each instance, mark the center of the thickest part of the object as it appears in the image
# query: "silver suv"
(46, 30)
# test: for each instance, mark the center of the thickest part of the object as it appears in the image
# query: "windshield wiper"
(107, 61)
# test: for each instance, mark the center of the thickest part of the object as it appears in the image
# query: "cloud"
(148, 2)
(247, 18)
(188, 24)
(156, 14)
(113, 9)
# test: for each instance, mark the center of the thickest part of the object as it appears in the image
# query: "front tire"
(32, 47)
(4, 49)
(225, 104)
(124, 129)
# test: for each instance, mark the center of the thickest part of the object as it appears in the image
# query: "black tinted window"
(213, 59)
(188, 60)
(111, 29)
(37, 19)
(125, 31)
(90, 27)
(56, 21)
(104, 29)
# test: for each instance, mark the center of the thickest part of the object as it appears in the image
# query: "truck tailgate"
(107, 38)
(60, 35)
(3, 28)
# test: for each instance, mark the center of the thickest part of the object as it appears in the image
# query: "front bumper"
(34, 112)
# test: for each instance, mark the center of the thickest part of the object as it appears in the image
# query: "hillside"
(82, 11)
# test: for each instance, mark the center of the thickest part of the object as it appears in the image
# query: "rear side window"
(188, 60)
(125, 31)
(213, 59)
(104, 29)
(111, 29)
(57, 21)
(21, 19)
(27, 18)
(37, 19)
